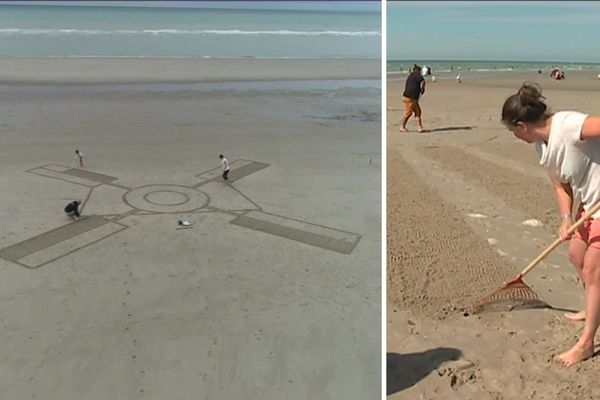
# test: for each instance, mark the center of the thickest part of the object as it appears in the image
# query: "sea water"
(111, 31)
(481, 67)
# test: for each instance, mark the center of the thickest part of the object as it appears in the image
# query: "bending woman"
(569, 149)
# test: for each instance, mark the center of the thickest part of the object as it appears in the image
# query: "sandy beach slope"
(457, 200)
(274, 293)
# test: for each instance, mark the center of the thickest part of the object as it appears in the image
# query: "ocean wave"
(17, 31)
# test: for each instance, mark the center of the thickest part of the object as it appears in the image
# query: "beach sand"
(148, 70)
(275, 290)
(457, 198)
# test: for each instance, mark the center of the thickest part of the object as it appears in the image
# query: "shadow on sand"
(450, 128)
(405, 370)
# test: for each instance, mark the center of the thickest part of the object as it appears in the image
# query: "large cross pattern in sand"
(207, 192)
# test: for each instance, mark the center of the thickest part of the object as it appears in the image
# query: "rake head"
(513, 294)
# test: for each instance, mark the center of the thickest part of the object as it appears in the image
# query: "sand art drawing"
(207, 193)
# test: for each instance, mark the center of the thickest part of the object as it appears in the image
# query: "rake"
(516, 290)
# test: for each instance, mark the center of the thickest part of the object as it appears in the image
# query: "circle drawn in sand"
(166, 199)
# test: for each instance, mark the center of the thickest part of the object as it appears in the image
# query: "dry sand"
(457, 198)
(274, 293)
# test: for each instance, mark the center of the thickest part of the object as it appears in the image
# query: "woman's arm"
(564, 197)
(590, 128)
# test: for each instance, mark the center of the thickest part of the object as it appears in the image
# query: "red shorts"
(589, 232)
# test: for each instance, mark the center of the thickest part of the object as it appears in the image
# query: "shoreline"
(204, 85)
(61, 71)
(575, 80)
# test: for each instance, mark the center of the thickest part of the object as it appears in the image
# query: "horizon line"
(473, 59)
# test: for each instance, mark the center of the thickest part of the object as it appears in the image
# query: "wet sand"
(135, 70)
(457, 198)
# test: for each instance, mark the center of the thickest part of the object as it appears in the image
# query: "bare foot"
(422, 130)
(576, 354)
(403, 129)
(578, 316)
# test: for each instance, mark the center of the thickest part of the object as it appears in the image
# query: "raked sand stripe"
(505, 161)
(68, 246)
(503, 182)
(22, 250)
(238, 170)
(92, 176)
(245, 170)
(217, 172)
(311, 234)
(515, 150)
(498, 223)
(64, 177)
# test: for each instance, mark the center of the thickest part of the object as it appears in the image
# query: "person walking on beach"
(79, 157)
(414, 88)
(225, 166)
(568, 143)
(72, 209)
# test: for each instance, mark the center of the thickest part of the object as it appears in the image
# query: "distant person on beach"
(568, 143)
(72, 209)
(413, 89)
(224, 166)
(458, 79)
(79, 157)
(557, 74)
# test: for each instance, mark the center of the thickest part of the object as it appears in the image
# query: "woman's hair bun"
(530, 92)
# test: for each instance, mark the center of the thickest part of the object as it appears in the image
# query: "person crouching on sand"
(414, 88)
(72, 209)
(569, 148)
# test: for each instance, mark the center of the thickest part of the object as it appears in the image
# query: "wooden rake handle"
(557, 242)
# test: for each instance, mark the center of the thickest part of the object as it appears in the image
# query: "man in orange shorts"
(414, 88)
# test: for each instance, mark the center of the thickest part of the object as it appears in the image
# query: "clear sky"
(368, 6)
(494, 30)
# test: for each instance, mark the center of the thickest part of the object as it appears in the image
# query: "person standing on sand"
(79, 157)
(414, 88)
(225, 166)
(568, 143)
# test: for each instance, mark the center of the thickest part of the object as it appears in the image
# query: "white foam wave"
(16, 31)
